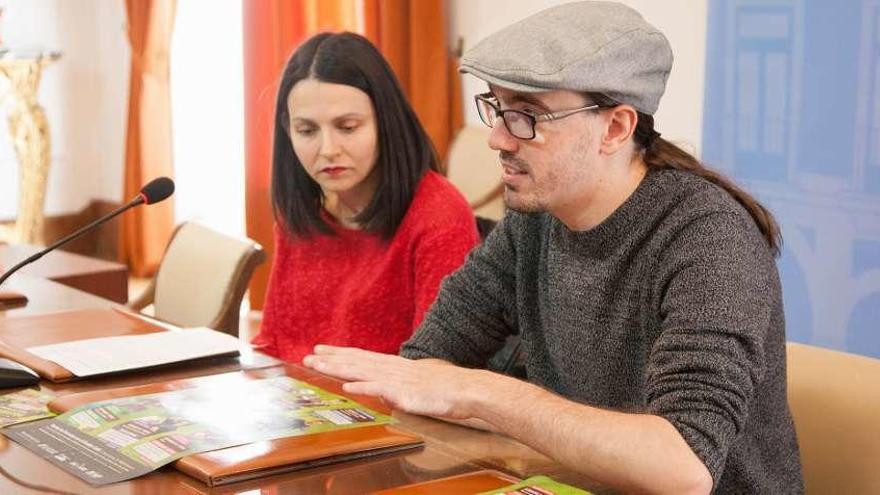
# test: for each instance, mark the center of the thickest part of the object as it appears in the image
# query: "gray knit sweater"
(671, 306)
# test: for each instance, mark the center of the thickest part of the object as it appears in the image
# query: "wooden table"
(102, 278)
(449, 449)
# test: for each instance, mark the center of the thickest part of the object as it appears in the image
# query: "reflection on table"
(449, 449)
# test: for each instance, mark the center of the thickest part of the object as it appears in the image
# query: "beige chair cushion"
(835, 401)
(196, 275)
(474, 169)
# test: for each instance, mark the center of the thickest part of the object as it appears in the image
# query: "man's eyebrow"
(526, 98)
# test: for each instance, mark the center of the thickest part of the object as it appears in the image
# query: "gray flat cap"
(601, 47)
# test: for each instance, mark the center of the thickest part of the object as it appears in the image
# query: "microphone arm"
(131, 204)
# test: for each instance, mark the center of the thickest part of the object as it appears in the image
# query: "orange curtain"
(271, 30)
(146, 230)
(412, 36)
(330, 15)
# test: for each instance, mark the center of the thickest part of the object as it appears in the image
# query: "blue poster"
(792, 112)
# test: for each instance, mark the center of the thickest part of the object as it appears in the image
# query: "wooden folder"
(463, 484)
(20, 332)
(268, 457)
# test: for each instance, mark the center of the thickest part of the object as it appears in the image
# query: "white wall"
(207, 107)
(84, 94)
(682, 21)
(85, 97)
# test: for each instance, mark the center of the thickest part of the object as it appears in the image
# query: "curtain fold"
(271, 31)
(412, 36)
(148, 151)
(331, 15)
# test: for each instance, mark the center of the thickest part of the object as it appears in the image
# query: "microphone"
(155, 191)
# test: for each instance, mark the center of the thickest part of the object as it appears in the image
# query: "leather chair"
(835, 401)
(202, 279)
(473, 168)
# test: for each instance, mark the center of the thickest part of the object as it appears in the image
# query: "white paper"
(110, 354)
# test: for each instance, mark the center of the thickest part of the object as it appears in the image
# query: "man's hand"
(428, 387)
(631, 452)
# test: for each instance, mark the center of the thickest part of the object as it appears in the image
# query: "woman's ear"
(620, 124)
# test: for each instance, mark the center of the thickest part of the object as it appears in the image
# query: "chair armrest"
(145, 298)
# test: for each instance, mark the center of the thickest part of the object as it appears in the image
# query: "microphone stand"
(15, 299)
(13, 374)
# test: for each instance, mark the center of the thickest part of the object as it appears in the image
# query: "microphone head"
(157, 190)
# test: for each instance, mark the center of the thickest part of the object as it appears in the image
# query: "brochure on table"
(538, 485)
(23, 406)
(119, 439)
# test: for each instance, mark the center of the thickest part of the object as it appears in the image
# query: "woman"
(365, 226)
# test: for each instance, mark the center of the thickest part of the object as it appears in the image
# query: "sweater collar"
(605, 237)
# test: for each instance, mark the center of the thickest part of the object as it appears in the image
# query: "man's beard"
(533, 206)
(523, 205)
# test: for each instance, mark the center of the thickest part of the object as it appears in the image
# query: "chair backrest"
(474, 169)
(203, 277)
(835, 402)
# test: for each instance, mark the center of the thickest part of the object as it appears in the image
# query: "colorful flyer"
(538, 485)
(115, 440)
(23, 406)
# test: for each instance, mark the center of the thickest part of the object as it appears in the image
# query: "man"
(643, 285)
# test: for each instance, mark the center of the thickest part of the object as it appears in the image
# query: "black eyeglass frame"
(533, 119)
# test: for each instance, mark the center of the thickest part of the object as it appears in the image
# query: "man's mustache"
(511, 159)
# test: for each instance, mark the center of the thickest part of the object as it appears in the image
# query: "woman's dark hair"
(405, 152)
(659, 153)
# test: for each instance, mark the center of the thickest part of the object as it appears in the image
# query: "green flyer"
(24, 405)
(538, 485)
(119, 439)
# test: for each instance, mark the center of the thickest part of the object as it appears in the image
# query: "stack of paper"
(112, 354)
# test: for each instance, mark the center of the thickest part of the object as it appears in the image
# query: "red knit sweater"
(355, 289)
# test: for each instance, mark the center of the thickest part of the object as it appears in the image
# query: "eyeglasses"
(519, 123)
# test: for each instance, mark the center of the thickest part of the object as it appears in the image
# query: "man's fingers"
(354, 353)
(323, 349)
(389, 394)
(373, 389)
(346, 368)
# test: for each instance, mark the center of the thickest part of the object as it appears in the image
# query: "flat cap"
(600, 47)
